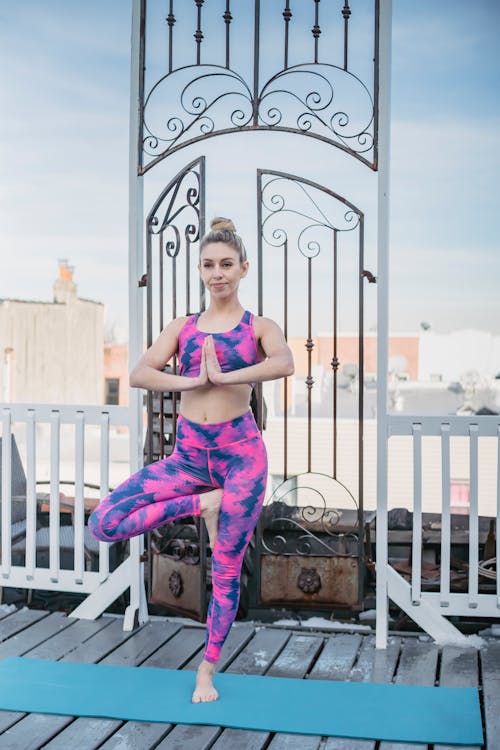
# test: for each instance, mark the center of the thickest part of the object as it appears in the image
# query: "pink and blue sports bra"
(235, 349)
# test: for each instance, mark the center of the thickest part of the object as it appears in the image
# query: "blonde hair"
(223, 230)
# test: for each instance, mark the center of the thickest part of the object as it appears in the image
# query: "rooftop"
(251, 648)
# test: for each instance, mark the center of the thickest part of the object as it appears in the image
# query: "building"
(52, 351)
(116, 383)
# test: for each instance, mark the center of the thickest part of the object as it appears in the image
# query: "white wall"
(452, 354)
(52, 352)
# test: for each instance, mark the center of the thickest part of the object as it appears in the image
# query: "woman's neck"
(224, 309)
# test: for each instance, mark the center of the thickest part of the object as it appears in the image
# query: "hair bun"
(221, 224)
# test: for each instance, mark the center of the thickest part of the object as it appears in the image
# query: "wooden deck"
(250, 649)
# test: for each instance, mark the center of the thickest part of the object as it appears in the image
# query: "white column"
(384, 121)
(135, 270)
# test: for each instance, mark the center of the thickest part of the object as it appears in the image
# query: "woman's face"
(220, 269)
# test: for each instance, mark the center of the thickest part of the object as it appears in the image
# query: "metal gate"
(310, 537)
(311, 531)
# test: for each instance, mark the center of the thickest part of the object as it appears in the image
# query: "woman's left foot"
(210, 503)
(204, 691)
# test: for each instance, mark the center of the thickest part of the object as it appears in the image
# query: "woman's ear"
(244, 268)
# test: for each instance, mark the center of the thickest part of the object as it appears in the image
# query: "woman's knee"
(95, 526)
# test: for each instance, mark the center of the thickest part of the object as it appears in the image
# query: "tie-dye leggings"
(229, 455)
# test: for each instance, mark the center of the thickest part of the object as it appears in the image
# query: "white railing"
(102, 586)
(423, 606)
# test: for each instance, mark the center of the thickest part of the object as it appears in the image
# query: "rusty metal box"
(177, 584)
(308, 581)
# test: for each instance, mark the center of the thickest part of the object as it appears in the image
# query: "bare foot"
(204, 691)
(210, 507)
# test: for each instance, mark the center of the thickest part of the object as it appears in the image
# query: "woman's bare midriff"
(215, 403)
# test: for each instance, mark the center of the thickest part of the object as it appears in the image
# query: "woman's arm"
(148, 371)
(278, 362)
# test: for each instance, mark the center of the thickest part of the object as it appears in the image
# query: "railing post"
(384, 109)
(135, 262)
(31, 500)
(6, 505)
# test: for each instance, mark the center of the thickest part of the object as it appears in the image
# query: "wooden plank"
(136, 735)
(260, 652)
(345, 743)
(70, 638)
(376, 665)
(8, 718)
(418, 663)
(5, 609)
(82, 733)
(31, 637)
(417, 666)
(297, 656)
(294, 742)
(337, 657)
(459, 668)
(143, 644)
(31, 732)
(178, 650)
(189, 737)
(237, 639)
(19, 620)
(101, 644)
(239, 739)
(490, 664)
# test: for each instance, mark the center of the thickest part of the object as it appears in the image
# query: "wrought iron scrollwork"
(316, 90)
(323, 99)
(290, 200)
(178, 204)
(200, 99)
(298, 519)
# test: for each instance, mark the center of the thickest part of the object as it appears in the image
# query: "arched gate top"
(320, 96)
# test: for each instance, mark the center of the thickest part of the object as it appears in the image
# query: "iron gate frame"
(138, 122)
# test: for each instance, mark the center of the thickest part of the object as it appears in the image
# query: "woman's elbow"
(134, 378)
(289, 368)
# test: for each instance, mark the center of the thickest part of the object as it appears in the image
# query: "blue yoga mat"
(345, 709)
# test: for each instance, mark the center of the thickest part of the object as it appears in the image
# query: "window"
(112, 391)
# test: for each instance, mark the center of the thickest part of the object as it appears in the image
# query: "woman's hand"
(202, 378)
(214, 372)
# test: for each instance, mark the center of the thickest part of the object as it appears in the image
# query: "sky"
(64, 85)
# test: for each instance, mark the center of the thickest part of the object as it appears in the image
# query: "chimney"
(64, 286)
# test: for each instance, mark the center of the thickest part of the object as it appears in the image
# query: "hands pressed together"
(210, 370)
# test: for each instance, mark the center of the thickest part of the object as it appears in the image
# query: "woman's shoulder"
(177, 324)
(262, 324)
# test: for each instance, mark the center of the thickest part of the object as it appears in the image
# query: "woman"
(219, 465)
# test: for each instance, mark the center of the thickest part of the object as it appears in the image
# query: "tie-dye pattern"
(229, 455)
(235, 349)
